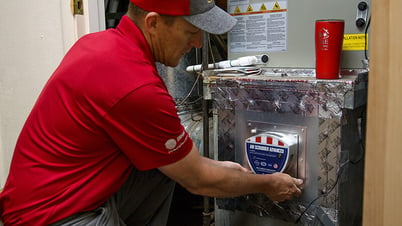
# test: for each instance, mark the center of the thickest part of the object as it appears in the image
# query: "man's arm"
(204, 176)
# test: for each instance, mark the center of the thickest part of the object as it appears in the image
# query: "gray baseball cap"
(203, 14)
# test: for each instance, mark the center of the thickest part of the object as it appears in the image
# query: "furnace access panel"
(284, 30)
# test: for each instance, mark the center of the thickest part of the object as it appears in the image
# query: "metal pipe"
(205, 113)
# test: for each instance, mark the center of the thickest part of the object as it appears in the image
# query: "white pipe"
(239, 62)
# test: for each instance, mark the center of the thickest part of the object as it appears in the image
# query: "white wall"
(34, 36)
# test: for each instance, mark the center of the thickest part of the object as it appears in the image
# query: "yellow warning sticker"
(257, 8)
(249, 9)
(237, 10)
(276, 6)
(263, 7)
(355, 42)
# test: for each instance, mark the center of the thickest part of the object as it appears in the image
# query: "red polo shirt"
(104, 111)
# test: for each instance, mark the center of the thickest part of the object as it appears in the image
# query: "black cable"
(362, 151)
(365, 38)
(361, 139)
(322, 195)
(354, 162)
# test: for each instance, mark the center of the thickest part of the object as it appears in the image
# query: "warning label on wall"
(261, 27)
(355, 42)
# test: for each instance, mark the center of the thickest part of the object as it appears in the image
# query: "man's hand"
(204, 176)
(284, 187)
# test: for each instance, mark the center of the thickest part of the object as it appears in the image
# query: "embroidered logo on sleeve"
(170, 144)
(174, 144)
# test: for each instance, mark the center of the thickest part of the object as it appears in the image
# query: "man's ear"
(151, 22)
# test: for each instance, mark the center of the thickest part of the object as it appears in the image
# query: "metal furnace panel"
(328, 111)
(293, 26)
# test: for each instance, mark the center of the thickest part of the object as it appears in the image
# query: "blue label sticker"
(266, 159)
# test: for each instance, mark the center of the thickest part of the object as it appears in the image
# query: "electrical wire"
(191, 90)
(210, 50)
(193, 102)
(323, 194)
(199, 74)
(361, 141)
(365, 38)
(353, 162)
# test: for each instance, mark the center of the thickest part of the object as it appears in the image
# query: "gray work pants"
(144, 199)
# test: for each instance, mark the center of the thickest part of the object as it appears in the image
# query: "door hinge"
(77, 7)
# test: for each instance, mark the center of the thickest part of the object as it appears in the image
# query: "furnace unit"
(277, 117)
(311, 129)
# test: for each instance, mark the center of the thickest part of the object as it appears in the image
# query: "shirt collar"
(130, 30)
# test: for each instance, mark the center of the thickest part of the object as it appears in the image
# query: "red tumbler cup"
(328, 48)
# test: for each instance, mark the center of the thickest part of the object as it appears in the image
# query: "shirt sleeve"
(145, 126)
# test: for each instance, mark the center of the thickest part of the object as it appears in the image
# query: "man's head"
(173, 27)
(203, 14)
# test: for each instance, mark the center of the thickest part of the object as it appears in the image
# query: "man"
(103, 143)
